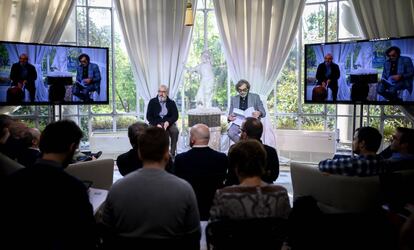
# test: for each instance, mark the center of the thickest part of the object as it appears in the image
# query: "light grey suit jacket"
(253, 100)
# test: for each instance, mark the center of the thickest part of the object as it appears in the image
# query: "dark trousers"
(173, 133)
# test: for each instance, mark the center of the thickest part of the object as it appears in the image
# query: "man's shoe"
(97, 155)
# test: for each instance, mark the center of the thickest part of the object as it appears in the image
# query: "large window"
(94, 23)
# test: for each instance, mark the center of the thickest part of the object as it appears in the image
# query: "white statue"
(205, 92)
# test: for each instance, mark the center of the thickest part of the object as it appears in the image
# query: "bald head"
(36, 136)
(199, 135)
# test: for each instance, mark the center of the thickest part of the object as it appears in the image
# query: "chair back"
(257, 233)
(100, 172)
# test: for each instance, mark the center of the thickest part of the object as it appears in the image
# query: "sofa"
(100, 172)
(335, 193)
(346, 194)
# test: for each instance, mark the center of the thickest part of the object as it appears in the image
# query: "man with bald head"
(24, 74)
(162, 112)
(204, 168)
(328, 74)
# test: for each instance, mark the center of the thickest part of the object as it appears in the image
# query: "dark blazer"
(16, 74)
(335, 74)
(44, 207)
(271, 169)
(205, 169)
(272, 165)
(129, 162)
(154, 109)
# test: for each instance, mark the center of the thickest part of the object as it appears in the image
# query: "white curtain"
(157, 42)
(386, 18)
(34, 21)
(339, 54)
(257, 36)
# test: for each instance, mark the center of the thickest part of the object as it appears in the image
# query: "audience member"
(150, 203)
(253, 198)
(162, 112)
(31, 152)
(402, 145)
(43, 207)
(365, 144)
(7, 165)
(252, 128)
(129, 161)
(204, 168)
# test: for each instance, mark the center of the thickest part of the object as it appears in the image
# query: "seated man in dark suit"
(44, 207)
(204, 168)
(129, 161)
(252, 128)
(162, 112)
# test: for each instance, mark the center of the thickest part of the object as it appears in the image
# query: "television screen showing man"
(88, 79)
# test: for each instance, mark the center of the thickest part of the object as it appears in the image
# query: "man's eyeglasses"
(243, 90)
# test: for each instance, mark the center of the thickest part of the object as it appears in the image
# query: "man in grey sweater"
(150, 203)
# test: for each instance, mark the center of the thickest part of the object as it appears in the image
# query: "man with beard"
(44, 205)
(243, 101)
(397, 75)
(365, 144)
(328, 74)
(23, 74)
(163, 113)
(88, 78)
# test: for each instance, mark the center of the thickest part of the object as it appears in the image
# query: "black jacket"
(154, 109)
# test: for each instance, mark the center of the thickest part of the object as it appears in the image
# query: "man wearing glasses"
(88, 78)
(397, 75)
(162, 112)
(243, 101)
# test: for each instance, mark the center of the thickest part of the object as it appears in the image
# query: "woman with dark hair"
(252, 198)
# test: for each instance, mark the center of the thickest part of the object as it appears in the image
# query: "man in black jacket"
(328, 74)
(162, 112)
(25, 74)
(252, 128)
(43, 206)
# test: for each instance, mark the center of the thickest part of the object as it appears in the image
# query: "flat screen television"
(361, 72)
(45, 74)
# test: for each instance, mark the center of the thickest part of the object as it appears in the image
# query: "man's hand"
(231, 117)
(87, 80)
(256, 114)
(159, 126)
(396, 77)
(166, 124)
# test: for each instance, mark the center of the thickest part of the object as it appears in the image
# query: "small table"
(57, 88)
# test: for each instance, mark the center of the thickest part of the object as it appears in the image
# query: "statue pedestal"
(211, 118)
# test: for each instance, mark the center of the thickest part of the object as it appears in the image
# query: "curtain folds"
(257, 36)
(34, 20)
(157, 42)
(386, 18)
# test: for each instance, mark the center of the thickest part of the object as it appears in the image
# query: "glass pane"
(332, 21)
(102, 124)
(286, 122)
(69, 34)
(125, 94)
(100, 3)
(84, 125)
(348, 22)
(100, 27)
(314, 1)
(313, 123)
(81, 23)
(314, 23)
(81, 2)
(393, 110)
(123, 122)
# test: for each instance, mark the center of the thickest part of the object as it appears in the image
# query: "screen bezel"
(43, 103)
(353, 102)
